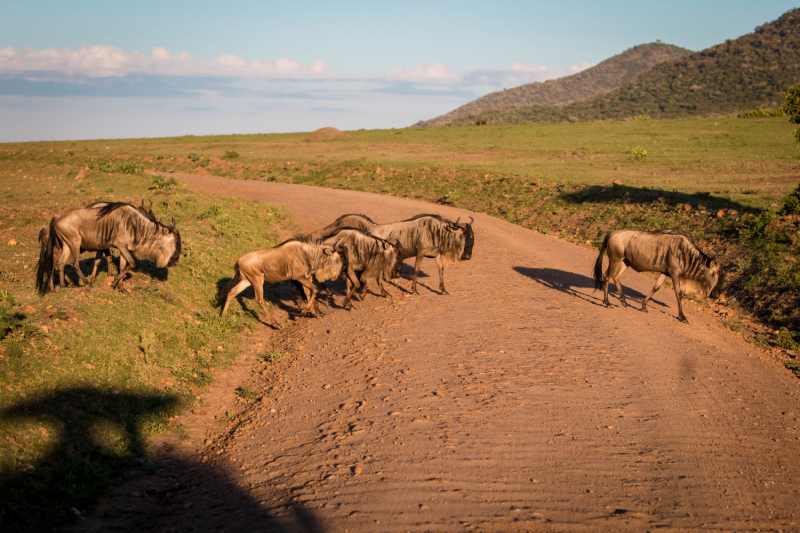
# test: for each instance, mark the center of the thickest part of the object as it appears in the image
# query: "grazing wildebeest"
(115, 225)
(44, 236)
(368, 257)
(430, 236)
(290, 260)
(668, 252)
(355, 221)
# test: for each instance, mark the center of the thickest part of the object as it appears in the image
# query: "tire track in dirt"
(517, 403)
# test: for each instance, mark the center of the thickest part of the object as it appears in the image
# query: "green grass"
(89, 375)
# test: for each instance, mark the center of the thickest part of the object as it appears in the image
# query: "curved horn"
(151, 204)
(172, 226)
(471, 220)
(459, 218)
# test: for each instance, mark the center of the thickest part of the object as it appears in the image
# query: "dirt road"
(516, 403)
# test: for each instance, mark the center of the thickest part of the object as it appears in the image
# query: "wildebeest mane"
(415, 217)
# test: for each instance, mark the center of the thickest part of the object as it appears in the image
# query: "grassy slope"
(729, 78)
(88, 375)
(599, 79)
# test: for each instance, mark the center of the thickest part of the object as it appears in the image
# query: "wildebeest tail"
(598, 265)
(45, 267)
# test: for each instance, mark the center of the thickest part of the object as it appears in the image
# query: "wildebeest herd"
(353, 247)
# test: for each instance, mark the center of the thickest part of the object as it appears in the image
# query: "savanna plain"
(97, 385)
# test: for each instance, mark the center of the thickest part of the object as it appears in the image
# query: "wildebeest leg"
(356, 284)
(657, 286)
(75, 252)
(614, 272)
(258, 287)
(311, 305)
(380, 280)
(440, 266)
(97, 259)
(123, 255)
(416, 273)
(676, 284)
(237, 285)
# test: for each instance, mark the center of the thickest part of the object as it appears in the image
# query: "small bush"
(734, 325)
(642, 117)
(762, 112)
(105, 166)
(761, 341)
(246, 393)
(791, 205)
(786, 339)
(639, 153)
(130, 167)
(231, 155)
(159, 183)
(273, 357)
(194, 157)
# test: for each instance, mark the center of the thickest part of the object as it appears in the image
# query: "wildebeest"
(668, 252)
(290, 260)
(368, 257)
(430, 236)
(115, 225)
(44, 236)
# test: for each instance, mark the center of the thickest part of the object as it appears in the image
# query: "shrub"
(791, 205)
(639, 153)
(762, 112)
(734, 325)
(231, 155)
(194, 157)
(791, 106)
(105, 166)
(642, 117)
(786, 339)
(163, 184)
(130, 167)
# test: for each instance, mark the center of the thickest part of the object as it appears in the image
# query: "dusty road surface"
(516, 403)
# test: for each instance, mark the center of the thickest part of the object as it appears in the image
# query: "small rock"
(720, 213)
(273, 411)
(394, 413)
(687, 207)
(28, 309)
(618, 182)
(13, 242)
(423, 507)
(357, 470)
(207, 442)
(326, 386)
(220, 349)
(618, 167)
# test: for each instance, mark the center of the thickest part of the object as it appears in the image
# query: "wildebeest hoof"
(644, 310)
(444, 292)
(683, 319)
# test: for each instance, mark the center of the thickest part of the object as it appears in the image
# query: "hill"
(599, 79)
(745, 73)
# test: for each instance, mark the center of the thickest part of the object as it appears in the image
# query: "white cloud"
(518, 74)
(101, 61)
(435, 73)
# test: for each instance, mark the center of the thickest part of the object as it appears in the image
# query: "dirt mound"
(328, 133)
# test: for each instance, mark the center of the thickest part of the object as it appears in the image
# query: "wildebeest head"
(719, 283)
(469, 236)
(331, 267)
(391, 254)
(173, 260)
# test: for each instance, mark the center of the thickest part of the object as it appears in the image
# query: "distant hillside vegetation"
(601, 78)
(749, 72)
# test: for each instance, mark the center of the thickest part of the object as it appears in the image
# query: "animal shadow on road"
(568, 282)
(275, 294)
(96, 440)
(142, 266)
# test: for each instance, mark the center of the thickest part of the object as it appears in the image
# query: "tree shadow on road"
(570, 282)
(71, 446)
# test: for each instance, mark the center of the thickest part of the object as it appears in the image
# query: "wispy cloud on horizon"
(107, 61)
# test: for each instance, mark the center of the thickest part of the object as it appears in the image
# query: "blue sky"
(112, 69)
